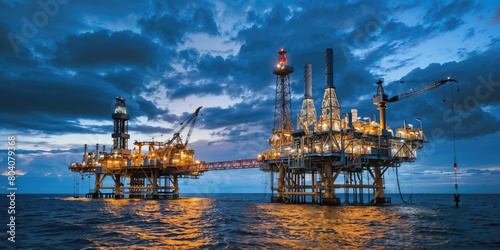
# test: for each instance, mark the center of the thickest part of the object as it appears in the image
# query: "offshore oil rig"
(151, 173)
(309, 160)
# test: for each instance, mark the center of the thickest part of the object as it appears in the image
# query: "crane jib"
(420, 90)
(190, 120)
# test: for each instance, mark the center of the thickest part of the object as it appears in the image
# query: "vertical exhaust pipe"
(308, 81)
(96, 153)
(329, 68)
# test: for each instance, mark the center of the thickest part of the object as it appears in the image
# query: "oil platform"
(151, 173)
(309, 160)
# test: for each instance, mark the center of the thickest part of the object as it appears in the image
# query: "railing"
(212, 166)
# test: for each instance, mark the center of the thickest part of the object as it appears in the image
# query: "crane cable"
(454, 145)
(410, 199)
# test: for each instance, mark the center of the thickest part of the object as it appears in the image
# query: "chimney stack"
(329, 68)
(308, 81)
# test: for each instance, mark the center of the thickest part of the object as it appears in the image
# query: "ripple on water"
(237, 221)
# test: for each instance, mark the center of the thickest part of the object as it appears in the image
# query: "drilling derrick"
(120, 133)
(283, 125)
(307, 117)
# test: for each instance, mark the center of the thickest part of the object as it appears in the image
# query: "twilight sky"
(63, 63)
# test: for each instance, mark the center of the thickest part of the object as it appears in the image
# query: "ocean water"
(238, 221)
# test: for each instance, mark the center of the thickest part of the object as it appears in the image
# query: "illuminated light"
(278, 65)
(449, 79)
(455, 166)
(402, 140)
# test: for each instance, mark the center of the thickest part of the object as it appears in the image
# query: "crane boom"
(195, 115)
(420, 90)
(381, 100)
(184, 124)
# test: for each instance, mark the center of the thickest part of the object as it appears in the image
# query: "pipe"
(382, 107)
(349, 120)
(97, 153)
(104, 148)
(308, 81)
(85, 151)
(329, 68)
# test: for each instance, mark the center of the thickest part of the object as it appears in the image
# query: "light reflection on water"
(178, 223)
(306, 226)
(250, 221)
(204, 222)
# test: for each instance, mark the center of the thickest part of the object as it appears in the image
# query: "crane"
(190, 120)
(381, 99)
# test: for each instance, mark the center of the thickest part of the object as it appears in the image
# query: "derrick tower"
(120, 133)
(283, 125)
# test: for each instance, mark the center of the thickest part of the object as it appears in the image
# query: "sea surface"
(238, 221)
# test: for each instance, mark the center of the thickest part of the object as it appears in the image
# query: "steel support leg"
(117, 186)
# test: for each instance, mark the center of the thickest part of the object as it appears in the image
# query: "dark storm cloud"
(172, 26)
(198, 90)
(23, 57)
(125, 80)
(441, 12)
(106, 49)
(5, 45)
(50, 102)
(241, 113)
(297, 33)
(452, 23)
(82, 95)
(496, 16)
(450, 16)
